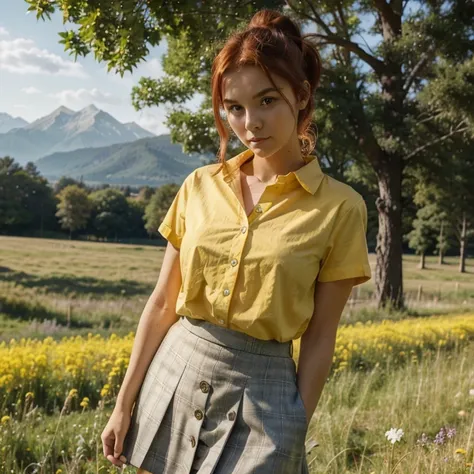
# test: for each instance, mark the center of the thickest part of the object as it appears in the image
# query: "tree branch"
(318, 19)
(424, 58)
(343, 20)
(428, 119)
(434, 142)
(367, 45)
(434, 111)
(404, 4)
(363, 134)
(377, 65)
(331, 38)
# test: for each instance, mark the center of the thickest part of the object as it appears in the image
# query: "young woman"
(263, 248)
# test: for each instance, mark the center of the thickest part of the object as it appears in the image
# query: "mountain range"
(149, 161)
(64, 130)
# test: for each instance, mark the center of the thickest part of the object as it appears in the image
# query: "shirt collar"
(309, 176)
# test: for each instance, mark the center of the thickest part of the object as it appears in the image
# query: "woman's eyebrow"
(262, 92)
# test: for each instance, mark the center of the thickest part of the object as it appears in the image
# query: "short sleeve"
(173, 226)
(346, 255)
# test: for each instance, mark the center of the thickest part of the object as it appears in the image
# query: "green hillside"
(153, 161)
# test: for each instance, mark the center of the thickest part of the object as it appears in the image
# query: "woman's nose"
(253, 122)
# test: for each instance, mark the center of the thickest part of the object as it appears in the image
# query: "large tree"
(392, 102)
(447, 186)
(157, 207)
(109, 212)
(26, 200)
(425, 230)
(74, 208)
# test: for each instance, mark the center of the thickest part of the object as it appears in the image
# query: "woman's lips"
(259, 140)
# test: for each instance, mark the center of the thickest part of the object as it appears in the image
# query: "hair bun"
(274, 20)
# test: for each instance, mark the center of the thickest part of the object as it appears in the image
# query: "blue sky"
(37, 75)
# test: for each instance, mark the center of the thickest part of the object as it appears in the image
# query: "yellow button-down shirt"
(257, 274)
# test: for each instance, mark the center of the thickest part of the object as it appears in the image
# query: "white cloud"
(153, 121)
(151, 67)
(83, 97)
(21, 56)
(3, 31)
(20, 106)
(30, 90)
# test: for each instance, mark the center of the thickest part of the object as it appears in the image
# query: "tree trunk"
(462, 245)
(422, 266)
(389, 166)
(385, 156)
(389, 252)
(441, 244)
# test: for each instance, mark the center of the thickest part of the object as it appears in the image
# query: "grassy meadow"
(68, 310)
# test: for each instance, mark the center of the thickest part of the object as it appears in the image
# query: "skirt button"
(193, 441)
(198, 414)
(204, 386)
(231, 416)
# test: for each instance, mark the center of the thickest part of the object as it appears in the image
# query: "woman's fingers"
(109, 444)
(116, 462)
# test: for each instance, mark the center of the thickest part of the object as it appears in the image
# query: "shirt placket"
(226, 289)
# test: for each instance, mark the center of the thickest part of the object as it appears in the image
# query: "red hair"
(273, 42)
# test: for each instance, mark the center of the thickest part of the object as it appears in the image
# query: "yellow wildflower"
(73, 393)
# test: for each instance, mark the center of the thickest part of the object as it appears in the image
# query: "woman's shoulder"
(339, 194)
(201, 173)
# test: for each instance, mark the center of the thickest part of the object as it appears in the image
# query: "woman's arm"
(319, 340)
(156, 319)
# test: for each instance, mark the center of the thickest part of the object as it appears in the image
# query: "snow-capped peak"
(57, 117)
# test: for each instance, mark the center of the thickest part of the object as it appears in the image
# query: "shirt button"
(204, 386)
(243, 229)
(258, 208)
(233, 262)
(226, 292)
(231, 416)
(198, 414)
(221, 321)
(193, 441)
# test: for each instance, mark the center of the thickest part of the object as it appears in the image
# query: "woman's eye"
(269, 98)
(231, 108)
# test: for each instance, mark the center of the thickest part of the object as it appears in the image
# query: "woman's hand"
(113, 436)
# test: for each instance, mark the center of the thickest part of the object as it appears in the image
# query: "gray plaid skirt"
(218, 401)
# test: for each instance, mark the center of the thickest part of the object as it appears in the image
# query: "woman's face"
(264, 115)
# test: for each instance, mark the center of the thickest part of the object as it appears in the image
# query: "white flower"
(394, 435)
(471, 392)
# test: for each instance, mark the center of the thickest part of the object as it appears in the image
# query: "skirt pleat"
(218, 401)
